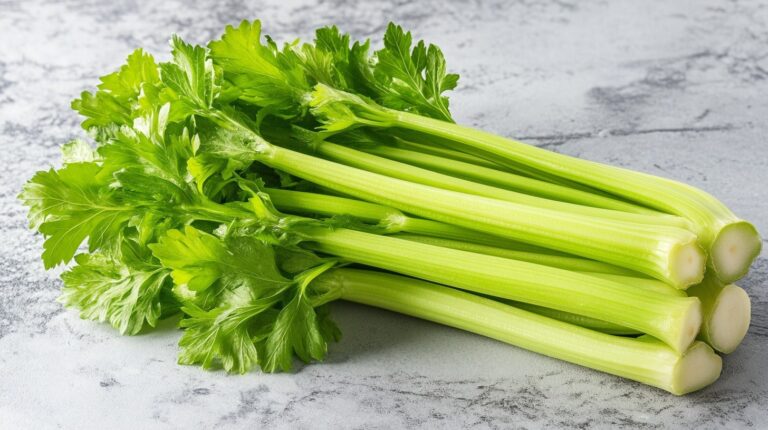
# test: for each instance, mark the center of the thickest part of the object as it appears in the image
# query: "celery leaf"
(412, 78)
(123, 289)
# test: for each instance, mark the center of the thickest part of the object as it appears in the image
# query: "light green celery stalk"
(674, 320)
(503, 179)
(407, 172)
(644, 359)
(443, 152)
(727, 313)
(725, 308)
(731, 242)
(562, 261)
(578, 320)
(392, 220)
(406, 138)
(565, 262)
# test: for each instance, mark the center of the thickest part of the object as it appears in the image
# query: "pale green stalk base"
(687, 260)
(727, 312)
(644, 360)
(734, 244)
(674, 320)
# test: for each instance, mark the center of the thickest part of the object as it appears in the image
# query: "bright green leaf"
(71, 204)
(108, 289)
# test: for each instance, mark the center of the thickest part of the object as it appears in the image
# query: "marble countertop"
(672, 88)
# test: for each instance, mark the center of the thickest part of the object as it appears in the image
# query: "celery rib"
(441, 151)
(393, 221)
(674, 320)
(564, 262)
(446, 147)
(725, 308)
(663, 252)
(732, 242)
(644, 360)
(578, 320)
(414, 174)
(507, 180)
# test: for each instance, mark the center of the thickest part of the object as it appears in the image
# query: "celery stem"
(645, 360)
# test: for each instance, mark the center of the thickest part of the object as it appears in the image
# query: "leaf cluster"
(164, 212)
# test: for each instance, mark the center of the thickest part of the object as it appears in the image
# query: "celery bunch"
(235, 183)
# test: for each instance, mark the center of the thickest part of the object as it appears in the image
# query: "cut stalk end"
(733, 250)
(729, 321)
(689, 326)
(696, 369)
(688, 262)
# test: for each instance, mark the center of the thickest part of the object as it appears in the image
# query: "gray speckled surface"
(672, 88)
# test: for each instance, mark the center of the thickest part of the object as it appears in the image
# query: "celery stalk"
(304, 203)
(441, 151)
(731, 242)
(506, 180)
(392, 220)
(645, 360)
(407, 172)
(674, 320)
(578, 320)
(667, 253)
(564, 262)
(405, 138)
(725, 308)
(645, 284)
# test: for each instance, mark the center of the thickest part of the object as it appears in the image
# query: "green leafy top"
(412, 78)
(260, 74)
(191, 75)
(121, 196)
(71, 204)
(172, 206)
(117, 99)
(398, 76)
(119, 201)
(125, 288)
(242, 311)
(136, 197)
